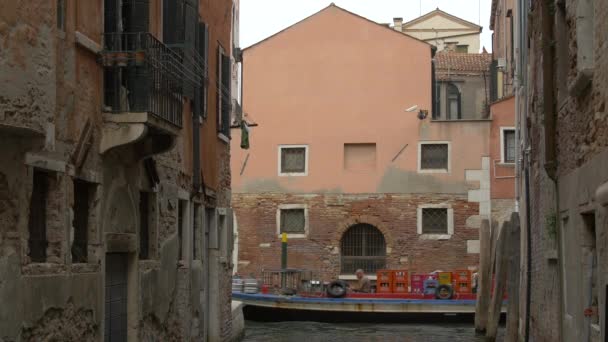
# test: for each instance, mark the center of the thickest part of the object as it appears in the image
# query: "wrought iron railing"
(143, 75)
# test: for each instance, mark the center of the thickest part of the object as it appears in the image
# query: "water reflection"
(346, 332)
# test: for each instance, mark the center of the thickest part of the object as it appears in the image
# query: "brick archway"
(364, 219)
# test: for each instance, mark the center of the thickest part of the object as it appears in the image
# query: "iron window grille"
(362, 247)
(434, 221)
(293, 159)
(509, 146)
(434, 157)
(37, 241)
(293, 221)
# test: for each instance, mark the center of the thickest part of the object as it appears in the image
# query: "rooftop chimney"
(398, 24)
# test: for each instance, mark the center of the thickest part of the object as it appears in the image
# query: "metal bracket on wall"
(244, 164)
(399, 153)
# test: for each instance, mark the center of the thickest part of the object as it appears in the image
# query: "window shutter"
(138, 14)
(205, 47)
(190, 28)
(110, 16)
(173, 21)
(226, 96)
(459, 105)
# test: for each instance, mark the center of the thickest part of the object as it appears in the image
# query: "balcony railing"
(143, 75)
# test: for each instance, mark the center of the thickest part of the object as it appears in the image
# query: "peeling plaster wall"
(52, 86)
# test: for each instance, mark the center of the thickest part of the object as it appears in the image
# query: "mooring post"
(499, 282)
(283, 259)
(484, 277)
(513, 281)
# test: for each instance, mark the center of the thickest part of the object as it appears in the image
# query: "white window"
(293, 160)
(507, 145)
(435, 221)
(293, 220)
(434, 157)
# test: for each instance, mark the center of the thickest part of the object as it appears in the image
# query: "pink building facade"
(338, 163)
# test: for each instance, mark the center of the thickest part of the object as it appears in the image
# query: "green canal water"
(346, 332)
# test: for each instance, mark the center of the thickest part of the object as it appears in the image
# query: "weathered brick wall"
(331, 214)
(582, 130)
(581, 134)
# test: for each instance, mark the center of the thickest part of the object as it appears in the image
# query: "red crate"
(384, 276)
(384, 287)
(400, 287)
(401, 276)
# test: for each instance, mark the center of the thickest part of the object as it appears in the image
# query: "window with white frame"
(507, 145)
(293, 160)
(435, 221)
(293, 220)
(434, 156)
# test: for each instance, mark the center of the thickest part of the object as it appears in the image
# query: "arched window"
(362, 246)
(453, 101)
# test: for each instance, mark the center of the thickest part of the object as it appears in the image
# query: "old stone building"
(561, 73)
(115, 219)
(443, 30)
(338, 162)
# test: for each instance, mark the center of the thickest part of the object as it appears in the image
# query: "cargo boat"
(355, 308)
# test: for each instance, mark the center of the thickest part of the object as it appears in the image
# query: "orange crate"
(400, 287)
(384, 281)
(463, 287)
(462, 276)
(400, 276)
(384, 287)
(384, 276)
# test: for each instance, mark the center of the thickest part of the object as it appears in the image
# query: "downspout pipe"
(433, 84)
(548, 90)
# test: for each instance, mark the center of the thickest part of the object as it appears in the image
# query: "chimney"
(398, 24)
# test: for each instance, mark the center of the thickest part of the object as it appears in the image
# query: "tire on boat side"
(444, 292)
(337, 289)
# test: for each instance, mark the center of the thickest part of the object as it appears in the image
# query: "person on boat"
(363, 284)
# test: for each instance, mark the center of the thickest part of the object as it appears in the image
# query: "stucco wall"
(503, 175)
(312, 96)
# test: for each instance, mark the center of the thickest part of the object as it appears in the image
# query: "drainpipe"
(196, 150)
(433, 84)
(548, 91)
(550, 122)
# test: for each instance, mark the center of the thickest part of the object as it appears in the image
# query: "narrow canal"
(348, 332)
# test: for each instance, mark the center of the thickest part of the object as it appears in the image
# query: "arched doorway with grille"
(362, 246)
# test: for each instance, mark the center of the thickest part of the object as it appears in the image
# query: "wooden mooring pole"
(513, 281)
(502, 257)
(484, 277)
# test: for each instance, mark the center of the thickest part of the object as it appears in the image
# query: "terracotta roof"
(455, 62)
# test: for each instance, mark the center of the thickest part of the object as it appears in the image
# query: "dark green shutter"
(137, 13)
(226, 96)
(205, 47)
(190, 26)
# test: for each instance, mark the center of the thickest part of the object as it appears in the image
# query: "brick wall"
(331, 214)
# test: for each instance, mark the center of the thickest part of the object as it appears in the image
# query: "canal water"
(348, 332)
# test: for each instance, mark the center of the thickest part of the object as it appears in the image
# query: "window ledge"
(293, 174)
(223, 138)
(354, 277)
(503, 164)
(294, 236)
(581, 82)
(433, 171)
(434, 236)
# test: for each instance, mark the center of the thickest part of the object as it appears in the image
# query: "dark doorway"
(116, 297)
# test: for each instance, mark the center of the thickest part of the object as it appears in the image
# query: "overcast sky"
(262, 18)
